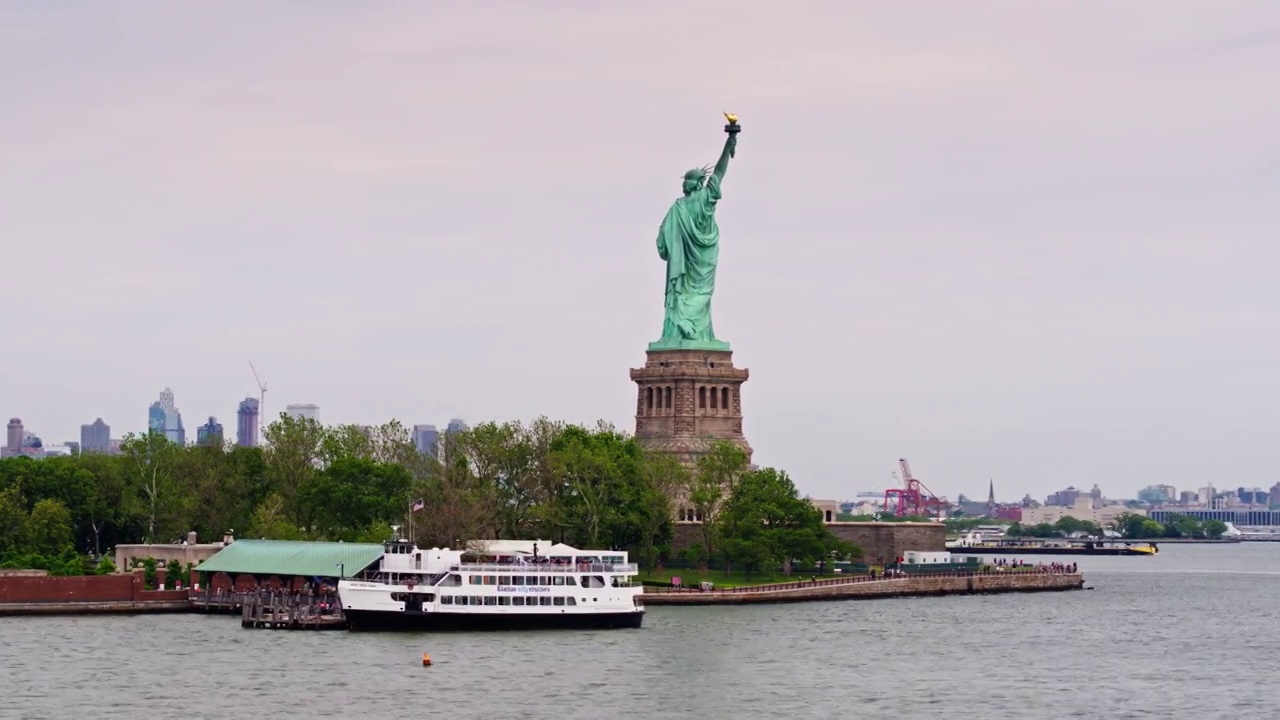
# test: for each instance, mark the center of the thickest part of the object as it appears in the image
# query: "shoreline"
(980, 583)
(846, 588)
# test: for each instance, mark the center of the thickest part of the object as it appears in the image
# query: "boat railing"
(523, 568)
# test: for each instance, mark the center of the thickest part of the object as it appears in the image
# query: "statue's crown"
(698, 173)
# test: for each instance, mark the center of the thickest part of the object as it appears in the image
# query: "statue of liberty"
(689, 240)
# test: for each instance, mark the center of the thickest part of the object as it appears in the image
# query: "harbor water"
(1190, 633)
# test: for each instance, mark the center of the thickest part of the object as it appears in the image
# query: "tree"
(765, 523)
(272, 521)
(713, 479)
(1136, 527)
(151, 458)
(47, 531)
(110, 504)
(501, 458)
(1214, 528)
(459, 506)
(352, 494)
(595, 466)
(12, 519)
(293, 456)
(664, 477)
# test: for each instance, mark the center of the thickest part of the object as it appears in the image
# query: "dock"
(276, 610)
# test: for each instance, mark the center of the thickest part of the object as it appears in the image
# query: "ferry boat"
(494, 585)
(1024, 546)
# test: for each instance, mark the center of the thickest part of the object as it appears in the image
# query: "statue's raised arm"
(730, 145)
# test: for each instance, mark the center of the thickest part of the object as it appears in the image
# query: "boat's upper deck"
(504, 556)
(527, 568)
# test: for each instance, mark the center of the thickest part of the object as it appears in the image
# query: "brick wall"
(880, 541)
(884, 541)
(89, 588)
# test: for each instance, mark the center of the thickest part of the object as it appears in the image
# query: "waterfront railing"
(801, 583)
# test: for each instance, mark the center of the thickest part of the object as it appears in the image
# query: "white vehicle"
(495, 585)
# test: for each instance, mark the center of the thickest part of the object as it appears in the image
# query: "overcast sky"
(1034, 242)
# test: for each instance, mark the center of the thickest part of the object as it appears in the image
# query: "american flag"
(418, 505)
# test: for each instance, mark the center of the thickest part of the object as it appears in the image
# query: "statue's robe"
(689, 240)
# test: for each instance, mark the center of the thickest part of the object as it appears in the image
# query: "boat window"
(490, 579)
(517, 601)
(570, 580)
(504, 580)
(504, 600)
(557, 601)
(475, 579)
(544, 580)
(446, 599)
(477, 600)
(544, 601)
(570, 601)
(517, 579)
(557, 580)
(491, 600)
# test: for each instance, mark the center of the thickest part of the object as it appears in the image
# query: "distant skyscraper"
(456, 425)
(14, 443)
(95, 437)
(163, 416)
(209, 433)
(426, 438)
(247, 423)
(309, 411)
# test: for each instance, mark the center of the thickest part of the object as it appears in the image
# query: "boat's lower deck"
(442, 621)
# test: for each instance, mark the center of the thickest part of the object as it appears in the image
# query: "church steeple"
(991, 499)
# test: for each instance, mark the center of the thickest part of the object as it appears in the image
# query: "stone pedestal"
(688, 399)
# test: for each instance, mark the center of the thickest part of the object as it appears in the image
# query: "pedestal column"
(688, 399)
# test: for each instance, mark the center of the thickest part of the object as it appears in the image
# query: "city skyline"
(1021, 241)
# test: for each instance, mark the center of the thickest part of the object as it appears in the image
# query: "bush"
(149, 574)
(105, 566)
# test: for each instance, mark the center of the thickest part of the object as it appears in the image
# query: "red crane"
(914, 499)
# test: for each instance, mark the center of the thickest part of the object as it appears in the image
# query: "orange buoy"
(426, 660)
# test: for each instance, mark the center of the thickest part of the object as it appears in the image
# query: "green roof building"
(292, 558)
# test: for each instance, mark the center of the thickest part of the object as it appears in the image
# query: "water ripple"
(1184, 634)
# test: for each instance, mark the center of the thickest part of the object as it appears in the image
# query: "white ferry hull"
(369, 620)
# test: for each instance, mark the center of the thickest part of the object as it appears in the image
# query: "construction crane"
(913, 499)
(262, 392)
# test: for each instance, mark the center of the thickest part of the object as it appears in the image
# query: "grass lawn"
(690, 577)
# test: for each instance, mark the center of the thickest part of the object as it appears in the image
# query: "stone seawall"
(124, 593)
(150, 605)
(865, 589)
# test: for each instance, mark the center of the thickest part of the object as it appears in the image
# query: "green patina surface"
(288, 557)
(689, 240)
(689, 345)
